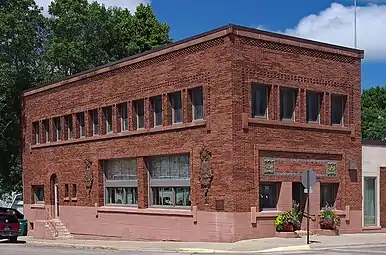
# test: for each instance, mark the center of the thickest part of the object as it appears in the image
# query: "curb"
(287, 248)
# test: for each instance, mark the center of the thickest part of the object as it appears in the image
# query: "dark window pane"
(328, 192)
(268, 196)
(337, 109)
(259, 101)
(140, 111)
(157, 105)
(124, 118)
(176, 107)
(182, 196)
(163, 196)
(197, 102)
(95, 122)
(287, 103)
(313, 106)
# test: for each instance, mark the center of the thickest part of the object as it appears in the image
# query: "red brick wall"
(225, 68)
(289, 66)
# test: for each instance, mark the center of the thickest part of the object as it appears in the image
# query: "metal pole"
(355, 24)
(308, 206)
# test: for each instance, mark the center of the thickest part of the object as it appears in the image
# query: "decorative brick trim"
(297, 50)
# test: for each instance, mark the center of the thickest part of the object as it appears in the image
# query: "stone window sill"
(38, 206)
(278, 123)
(147, 211)
(66, 199)
(74, 199)
(178, 126)
(268, 214)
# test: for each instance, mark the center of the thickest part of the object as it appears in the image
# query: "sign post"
(308, 180)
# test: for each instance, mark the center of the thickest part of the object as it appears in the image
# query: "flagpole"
(355, 24)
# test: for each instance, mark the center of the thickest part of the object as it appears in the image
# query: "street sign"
(308, 180)
(312, 179)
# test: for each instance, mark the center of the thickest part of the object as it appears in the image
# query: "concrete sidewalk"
(246, 246)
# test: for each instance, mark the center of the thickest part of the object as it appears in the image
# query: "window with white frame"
(108, 118)
(269, 195)
(337, 109)
(287, 103)
(139, 107)
(46, 125)
(313, 106)
(157, 108)
(95, 122)
(197, 103)
(170, 180)
(175, 99)
(58, 129)
(260, 100)
(121, 181)
(81, 123)
(36, 132)
(69, 126)
(123, 116)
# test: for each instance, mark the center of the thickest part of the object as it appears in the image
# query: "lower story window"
(328, 192)
(171, 196)
(38, 194)
(122, 196)
(268, 196)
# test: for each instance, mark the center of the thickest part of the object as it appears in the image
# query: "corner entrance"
(54, 183)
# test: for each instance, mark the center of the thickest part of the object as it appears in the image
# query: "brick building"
(200, 140)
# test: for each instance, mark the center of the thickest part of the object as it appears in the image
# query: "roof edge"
(197, 39)
(374, 142)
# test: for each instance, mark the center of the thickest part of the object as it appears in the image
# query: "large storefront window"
(328, 192)
(121, 181)
(170, 180)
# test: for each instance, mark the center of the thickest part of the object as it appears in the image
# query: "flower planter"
(288, 228)
(327, 225)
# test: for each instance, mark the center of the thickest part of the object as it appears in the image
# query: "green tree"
(374, 113)
(76, 36)
(21, 30)
(84, 35)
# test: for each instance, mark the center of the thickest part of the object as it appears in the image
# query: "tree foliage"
(75, 36)
(374, 113)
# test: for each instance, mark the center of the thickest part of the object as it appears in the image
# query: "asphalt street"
(23, 249)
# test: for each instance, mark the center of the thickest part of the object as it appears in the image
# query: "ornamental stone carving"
(89, 178)
(206, 175)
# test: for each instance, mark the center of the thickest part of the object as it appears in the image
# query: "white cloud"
(131, 5)
(336, 25)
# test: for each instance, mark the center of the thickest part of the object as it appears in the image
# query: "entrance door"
(56, 194)
(370, 201)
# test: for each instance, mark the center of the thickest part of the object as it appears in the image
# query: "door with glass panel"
(370, 201)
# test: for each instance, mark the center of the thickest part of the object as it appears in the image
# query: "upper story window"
(313, 106)
(46, 127)
(175, 99)
(197, 103)
(260, 101)
(94, 122)
(123, 116)
(287, 103)
(108, 119)
(139, 107)
(337, 109)
(81, 123)
(157, 108)
(58, 129)
(68, 120)
(121, 181)
(36, 132)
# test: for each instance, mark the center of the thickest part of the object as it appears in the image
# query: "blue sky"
(323, 20)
